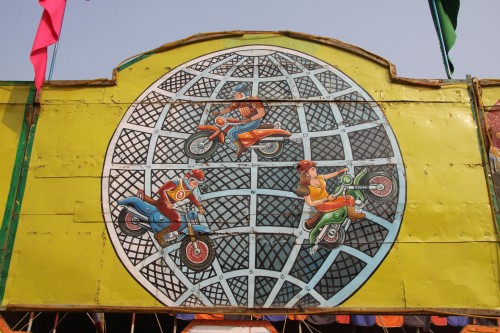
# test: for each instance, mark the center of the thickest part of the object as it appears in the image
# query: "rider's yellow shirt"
(318, 193)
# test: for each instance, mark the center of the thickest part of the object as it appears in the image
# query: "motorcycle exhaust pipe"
(256, 147)
(273, 139)
(136, 213)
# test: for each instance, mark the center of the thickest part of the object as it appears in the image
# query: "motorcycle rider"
(171, 192)
(312, 187)
(252, 111)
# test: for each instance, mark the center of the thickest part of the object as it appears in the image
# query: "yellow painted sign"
(256, 172)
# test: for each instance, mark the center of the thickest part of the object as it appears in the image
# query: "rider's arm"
(336, 173)
(314, 203)
(195, 202)
(260, 111)
(229, 108)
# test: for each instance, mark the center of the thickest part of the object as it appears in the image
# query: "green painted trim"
(17, 185)
(133, 61)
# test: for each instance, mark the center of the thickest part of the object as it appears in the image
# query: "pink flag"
(47, 34)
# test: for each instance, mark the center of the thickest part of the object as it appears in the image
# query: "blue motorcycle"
(197, 249)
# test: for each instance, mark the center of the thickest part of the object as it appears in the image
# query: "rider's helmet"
(304, 166)
(242, 88)
(195, 174)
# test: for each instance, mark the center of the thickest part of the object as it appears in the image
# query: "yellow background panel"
(446, 254)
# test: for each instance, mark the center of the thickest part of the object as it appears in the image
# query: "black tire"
(201, 261)
(197, 139)
(337, 240)
(273, 149)
(129, 224)
(390, 186)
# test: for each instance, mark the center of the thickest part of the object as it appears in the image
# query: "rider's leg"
(172, 215)
(233, 135)
(339, 202)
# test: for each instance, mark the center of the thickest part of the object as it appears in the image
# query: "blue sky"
(98, 35)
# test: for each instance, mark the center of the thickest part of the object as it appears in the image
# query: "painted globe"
(263, 256)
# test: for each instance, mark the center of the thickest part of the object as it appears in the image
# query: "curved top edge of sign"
(201, 37)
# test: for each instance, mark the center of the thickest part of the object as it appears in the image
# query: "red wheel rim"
(386, 182)
(131, 222)
(197, 256)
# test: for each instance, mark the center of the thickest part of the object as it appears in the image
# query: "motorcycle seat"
(266, 126)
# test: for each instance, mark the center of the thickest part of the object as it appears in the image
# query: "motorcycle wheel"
(334, 240)
(271, 150)
(129, 224)
(198, 259)
(389, 189)
(198, 147)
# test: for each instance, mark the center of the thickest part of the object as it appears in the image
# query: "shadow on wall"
(16, 103)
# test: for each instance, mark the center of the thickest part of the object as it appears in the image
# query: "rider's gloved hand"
(201, 211)
(215, 113)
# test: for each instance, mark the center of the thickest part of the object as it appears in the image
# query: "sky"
(97, 35)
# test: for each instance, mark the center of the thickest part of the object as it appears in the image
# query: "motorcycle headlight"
(220, 121)
(346, 179)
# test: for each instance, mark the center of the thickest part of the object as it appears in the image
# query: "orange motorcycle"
(267, 140)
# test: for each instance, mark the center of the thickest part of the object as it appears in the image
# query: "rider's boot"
(313, 221)
(240, 147)
(353, 215)
(159, 236)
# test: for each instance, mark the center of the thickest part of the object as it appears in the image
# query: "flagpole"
(52, 63)
(54, 52)
(441, 39)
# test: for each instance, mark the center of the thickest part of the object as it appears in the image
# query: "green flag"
(444, 14)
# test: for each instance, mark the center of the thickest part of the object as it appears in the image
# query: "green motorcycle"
(377, 186)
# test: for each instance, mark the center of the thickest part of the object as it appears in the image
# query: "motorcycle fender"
(212, 129)
(264, 133)
(359, 176)
(141, 206)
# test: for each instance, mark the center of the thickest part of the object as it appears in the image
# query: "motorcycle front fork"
(193, 239)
